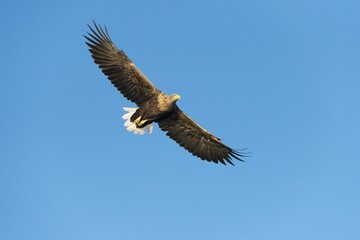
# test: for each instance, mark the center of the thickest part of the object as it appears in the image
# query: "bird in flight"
(154, 106)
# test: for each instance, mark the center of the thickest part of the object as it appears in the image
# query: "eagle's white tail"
(130, 126)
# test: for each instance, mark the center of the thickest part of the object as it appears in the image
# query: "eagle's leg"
(137, 125)
(140, 122)
(136, 121)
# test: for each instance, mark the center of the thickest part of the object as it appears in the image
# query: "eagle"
(153, 105)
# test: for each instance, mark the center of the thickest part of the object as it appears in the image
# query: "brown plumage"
(154, 105)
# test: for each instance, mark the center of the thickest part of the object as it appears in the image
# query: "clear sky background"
(281, 78)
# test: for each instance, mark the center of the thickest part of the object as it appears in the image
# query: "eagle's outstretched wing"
(119, 69)
(198, 141)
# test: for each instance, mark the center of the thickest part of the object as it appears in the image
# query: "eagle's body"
(153, 104)
(155, 108)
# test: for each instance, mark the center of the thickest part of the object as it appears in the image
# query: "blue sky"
(280, 78)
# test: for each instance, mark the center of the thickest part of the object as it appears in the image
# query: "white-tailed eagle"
(153, 104)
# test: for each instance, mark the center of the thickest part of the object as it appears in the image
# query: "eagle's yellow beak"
(176, 97)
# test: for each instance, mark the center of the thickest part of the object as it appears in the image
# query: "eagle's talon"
(136, 121)
(142, 122)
